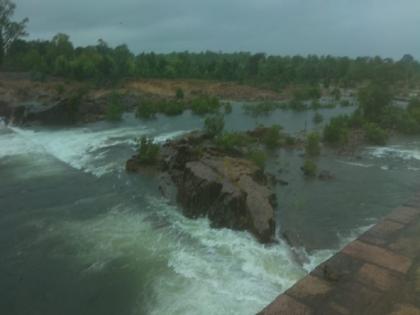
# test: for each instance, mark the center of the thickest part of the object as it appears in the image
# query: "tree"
(9, 30)
(373, 100)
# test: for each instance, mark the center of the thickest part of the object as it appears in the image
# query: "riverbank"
(377, 274)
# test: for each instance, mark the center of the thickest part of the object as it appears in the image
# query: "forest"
(104, 64)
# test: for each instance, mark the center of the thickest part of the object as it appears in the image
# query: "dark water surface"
(79, 236)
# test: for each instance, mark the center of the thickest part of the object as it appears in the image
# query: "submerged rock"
(326, 176)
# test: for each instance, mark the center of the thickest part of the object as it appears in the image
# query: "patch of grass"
(259, 157)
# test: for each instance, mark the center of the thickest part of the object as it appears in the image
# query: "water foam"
(396, 151)
(206, 271)
(82, 148)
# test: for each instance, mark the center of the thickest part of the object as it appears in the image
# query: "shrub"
(336, 93)
(146, 110)
(205, 105)
(114, 108)
(337, 130)
(375, 134)
(259, 157)
(214, 125)
(315, 104)
(148, 151)
(318, 118)
(260, 109)
(413, 109)
(60, 89)
(312, 145)
(231, 141)
(171, 108)
(345, 103)
(272, 137)
(297, 105)
(309, 168)
(179, 94)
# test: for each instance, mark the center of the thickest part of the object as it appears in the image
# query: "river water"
(80, 236)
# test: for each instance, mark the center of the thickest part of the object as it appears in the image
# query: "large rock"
(231, 191)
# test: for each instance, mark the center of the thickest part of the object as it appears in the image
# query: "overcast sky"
(389, 28)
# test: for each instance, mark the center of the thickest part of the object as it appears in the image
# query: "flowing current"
(80, 236)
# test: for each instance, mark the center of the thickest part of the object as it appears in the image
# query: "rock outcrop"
(231, 191)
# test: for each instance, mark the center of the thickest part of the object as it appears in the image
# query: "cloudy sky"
(389, 28)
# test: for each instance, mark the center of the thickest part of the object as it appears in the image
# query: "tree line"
(102, 63)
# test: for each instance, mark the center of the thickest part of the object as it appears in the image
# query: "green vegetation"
(309, 168)
(214, 125)
(205, 105)
(312, 145)
(336, 132)
(148, 151)
(146, 110)
(114, 108)
(336, 93)
(179, 94)
(103, 64)
(345, 103)
(318, 118)
(260, 109)
(10, 31)
(272, 137)
(374, 100)
(259, 157)
(375, 134)
(233, 141)
(306, 92)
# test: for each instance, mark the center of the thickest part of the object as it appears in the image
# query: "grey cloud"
(339, 27)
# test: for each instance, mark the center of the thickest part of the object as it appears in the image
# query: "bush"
(171, 108)
(318, 118)
(260, 109)
(60, 89)
(148, 151)
(309, 168)
(345, 103)
(214, 125)
(205, 105)
(401, 120)
(231, 141)
(114, 108)
(297, 105)
(272, 137)
(337, 130)
(179, 94)
(413, 109)
(146, 110)
(312, 145)
(375, 134)
(259, 157)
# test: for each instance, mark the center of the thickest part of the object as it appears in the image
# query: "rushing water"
(80, 236)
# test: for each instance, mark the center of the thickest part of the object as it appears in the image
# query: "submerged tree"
(9, 30)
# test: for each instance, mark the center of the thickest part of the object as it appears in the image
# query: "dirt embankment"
(16, 88)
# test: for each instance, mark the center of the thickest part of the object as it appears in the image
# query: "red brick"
(378, 256)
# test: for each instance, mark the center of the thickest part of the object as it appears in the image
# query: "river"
(80, 236)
